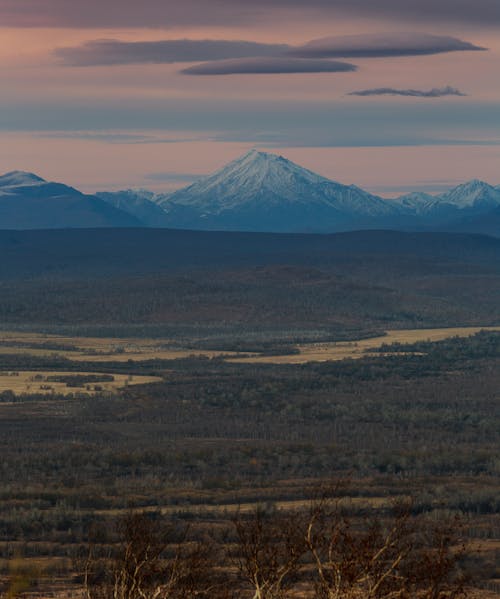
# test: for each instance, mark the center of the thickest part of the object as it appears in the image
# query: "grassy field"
(322, 352)
(109, 349)
(98, 349)
(22, 382)
(214, 437)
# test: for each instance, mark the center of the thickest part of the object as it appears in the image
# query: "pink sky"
(111, 127)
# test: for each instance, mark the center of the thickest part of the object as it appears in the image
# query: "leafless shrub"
(333, 554)
(268, 553)
(396, 556)
(153, 561)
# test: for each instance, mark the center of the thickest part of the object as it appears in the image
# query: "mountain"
(472, 207)
(29, 202)
(19, 179)
(259, 192)
(416, 202)
(266, 192)
(137, 202)
(485, 223)
(476, 195)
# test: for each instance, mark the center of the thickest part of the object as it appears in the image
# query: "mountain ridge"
(28, 201)
(258, 191)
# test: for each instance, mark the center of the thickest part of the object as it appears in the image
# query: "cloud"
(381, 45)
(436, 92)
(118, 137)
(269, 65)
(168, 13)
(115, 52)
(283, 121)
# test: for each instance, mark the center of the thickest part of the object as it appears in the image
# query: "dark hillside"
(351, 281)
(97, 252)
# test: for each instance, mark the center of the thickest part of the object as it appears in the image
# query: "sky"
(392, 95)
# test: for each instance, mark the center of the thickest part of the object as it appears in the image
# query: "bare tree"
(333, 554)
(269, 549)
(432, 568)
(153, 561)
(393, 557)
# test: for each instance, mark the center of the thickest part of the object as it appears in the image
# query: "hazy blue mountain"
(138, 202)
(475, 195)
(470, 207)
(266, 192)
(257, 192)
(485, 223)
(416, 202)
(29, 202)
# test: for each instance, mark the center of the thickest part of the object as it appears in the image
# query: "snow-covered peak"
(417, 196)
(256, 169)
(261, 183)
(19, 179)
(417, 201)
(254, 175)
(471, 194)
(136, 193)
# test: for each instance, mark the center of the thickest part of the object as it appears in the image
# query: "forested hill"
(371, 280)
(98, 252)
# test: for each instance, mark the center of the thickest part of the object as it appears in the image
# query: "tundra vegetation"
(225, 455)
(223, 464)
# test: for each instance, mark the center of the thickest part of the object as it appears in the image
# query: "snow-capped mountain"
(473, 194)
(138, 202)
(257, 192)
(416, 202)
(266, 192)
(29, 202)
(19, 179)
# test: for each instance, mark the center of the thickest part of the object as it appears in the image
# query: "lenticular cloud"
(382, 45)
(269, 65)
(437, 92)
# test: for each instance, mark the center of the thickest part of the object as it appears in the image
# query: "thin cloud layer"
(116, 52)
(437, 92)
(382, 45)
(166, 13)
(269, 65)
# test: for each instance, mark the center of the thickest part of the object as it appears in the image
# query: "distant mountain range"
(29, 202)
(257, 192)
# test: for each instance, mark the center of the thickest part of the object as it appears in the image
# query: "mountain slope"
(381, 279)
(258, 192)
(138, 203)
(29, 202)
(471, 207)
(416, 202)
(485, 223)
(266, 192)
(474, 194)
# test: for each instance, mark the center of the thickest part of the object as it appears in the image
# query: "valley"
(196, 377)
(250, 299)
(121, 349)
(205, 439)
